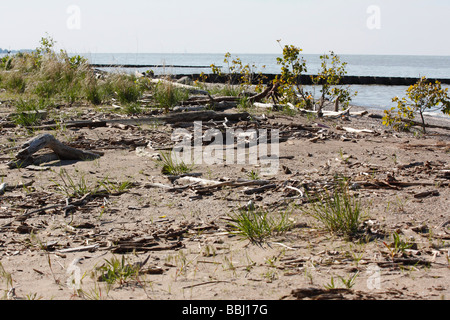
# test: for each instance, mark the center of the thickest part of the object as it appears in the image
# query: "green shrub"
(420, 97)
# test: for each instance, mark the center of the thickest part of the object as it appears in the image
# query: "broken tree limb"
(25, 156)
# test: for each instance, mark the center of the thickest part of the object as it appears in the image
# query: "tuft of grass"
(15, 82)
(47, 74)
(133, 108)
(126, 88)
(257, 225)
(118, 271)
(27, 113)
(92, 91)
(171, 166)
(7, 278)
(75, 188)
(398, 246)
(338, 210)
(168, 96)
(115, 187)
(80, 187)
(244, 103)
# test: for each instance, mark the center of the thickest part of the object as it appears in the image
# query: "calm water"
(358, 65)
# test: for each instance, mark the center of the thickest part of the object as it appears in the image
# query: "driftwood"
(203, 115)
(191, 89)
(25, 156)
(3, 188)
(325, 113)
(352, 130)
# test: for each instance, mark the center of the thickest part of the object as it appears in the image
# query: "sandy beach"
(183, 238)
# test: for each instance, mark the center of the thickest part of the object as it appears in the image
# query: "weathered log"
(24, 156)
(202, 116)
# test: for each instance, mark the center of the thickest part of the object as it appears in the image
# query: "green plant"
(256, 224)
(133, 108)
(111, 187)
(27, 112)
(171, 166)
(92, 91)
(6, 63)
(330, 285)
(15, 82)
(350, 282)
(50, 74)
(127, 88)
(291, 89)
(338, 210)
(253, 175)
(6, 276)
(118, 271)
(420, 97)
(168, 96)
(240, 74)
(244, 103)
(292, 68)
(75, 188)
(397, 246)
(80, 187)
(329, 77)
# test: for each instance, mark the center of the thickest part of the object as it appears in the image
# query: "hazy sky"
(238, 26)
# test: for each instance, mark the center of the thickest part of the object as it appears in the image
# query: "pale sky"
(415, 27)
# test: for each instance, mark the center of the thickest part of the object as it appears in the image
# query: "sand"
(192, 251)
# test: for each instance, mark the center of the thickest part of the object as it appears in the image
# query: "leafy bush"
(291, 89)
(420, 97)
(292, 67)
(329, 78)
(238, 73)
